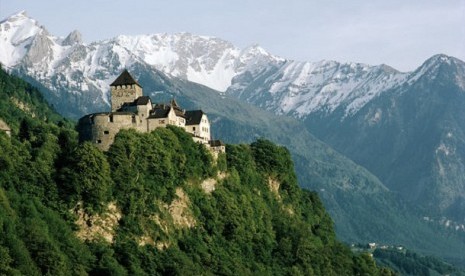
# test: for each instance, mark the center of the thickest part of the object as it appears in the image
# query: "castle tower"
(124, 89)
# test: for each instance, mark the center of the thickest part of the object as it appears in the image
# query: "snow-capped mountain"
(67, 65)
(411, 137)
(301, 88)
(68, 62)
(404, 127)
(206, 60)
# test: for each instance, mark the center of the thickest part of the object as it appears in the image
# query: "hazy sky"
(400, 33)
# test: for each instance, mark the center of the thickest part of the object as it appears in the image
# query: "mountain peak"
(439, 59)
(16, 16)
(437, 65)
(388, 69)
(16, 34)
(19, 18)
(19, 21)
(73, 38)
(255, 49)
(255, 54)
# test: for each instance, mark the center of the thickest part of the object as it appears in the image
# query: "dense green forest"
(155, 203)
(406, 262)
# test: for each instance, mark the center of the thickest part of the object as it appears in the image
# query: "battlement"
(125, 89)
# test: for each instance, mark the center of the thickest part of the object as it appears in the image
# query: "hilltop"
(155, 203)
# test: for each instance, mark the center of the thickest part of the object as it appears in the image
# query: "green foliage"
(276, 161)
(36, 240)
(86, 178)
(148, 166)
(244, 226)
(221, 162)
(407, 262)
(19, 100)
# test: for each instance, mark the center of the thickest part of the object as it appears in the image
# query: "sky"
(399, 33)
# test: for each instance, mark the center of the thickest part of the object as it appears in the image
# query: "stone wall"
(144, 110)
(102, 128)
(124, 94)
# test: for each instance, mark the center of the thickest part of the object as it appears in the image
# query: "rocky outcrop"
(73, 38)
(97, 226)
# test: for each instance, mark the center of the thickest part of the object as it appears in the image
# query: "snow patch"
(444, 149)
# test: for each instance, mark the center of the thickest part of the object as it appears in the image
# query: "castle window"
(161, 122)
(110, 119)
(99, 141)
(133, 119)
(106, 132)
(193, 128)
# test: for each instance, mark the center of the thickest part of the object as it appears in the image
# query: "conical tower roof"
(125, 79)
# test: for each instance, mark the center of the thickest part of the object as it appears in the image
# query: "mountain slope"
(363, 209)
(412, 137)
(142, 208)
(74, 77)
(68, 67)
(21, 101)
(68, 89)
(302, 88)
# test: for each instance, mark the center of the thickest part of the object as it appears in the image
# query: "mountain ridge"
(411, 137)
(77, 84)
(206, 60)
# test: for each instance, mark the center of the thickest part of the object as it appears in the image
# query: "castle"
(130, 109)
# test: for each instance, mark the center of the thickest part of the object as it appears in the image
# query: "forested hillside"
(363, 209)
(406, 262)
(155, 203)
